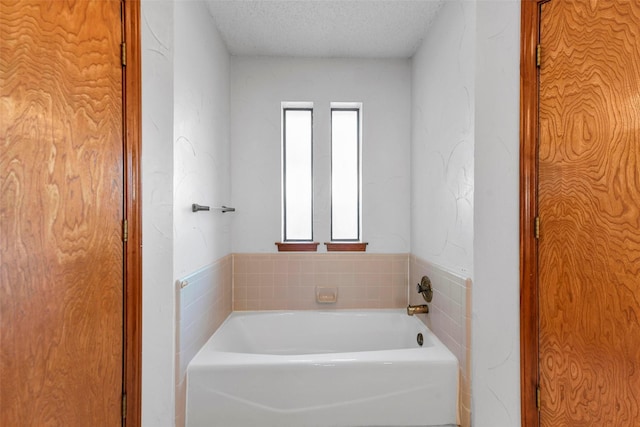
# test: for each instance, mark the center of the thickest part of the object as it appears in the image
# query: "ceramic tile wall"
(449, 318)
(202, 305)
(288, 281)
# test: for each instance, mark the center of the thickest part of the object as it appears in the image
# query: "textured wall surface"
(200, 175)
(157, 214)
(201, 140)
(442, 141)
(259, 85)
(496, 303)
(465, 183)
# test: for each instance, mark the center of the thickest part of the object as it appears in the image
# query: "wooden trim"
(530, 36)
(132, 98)
(346, 247)
(297, 247)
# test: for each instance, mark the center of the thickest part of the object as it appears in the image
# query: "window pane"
(345, 175)
(298, 190)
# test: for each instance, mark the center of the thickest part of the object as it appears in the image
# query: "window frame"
(357, 107)
(285, 108)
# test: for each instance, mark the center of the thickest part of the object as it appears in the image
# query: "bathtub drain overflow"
(420, 339)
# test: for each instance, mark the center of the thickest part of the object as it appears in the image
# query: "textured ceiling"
(324, 28)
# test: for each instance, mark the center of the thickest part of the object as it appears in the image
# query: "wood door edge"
(132, 96)
(529, 325)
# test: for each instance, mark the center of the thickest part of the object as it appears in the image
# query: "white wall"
(259, 85)
(442, 141)
(158, 319)
(496, 304)
(200, 175)
(465, 175)
(201, 140)
(185, 159)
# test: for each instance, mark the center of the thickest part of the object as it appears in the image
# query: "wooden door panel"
(589, 207)
(61, 212)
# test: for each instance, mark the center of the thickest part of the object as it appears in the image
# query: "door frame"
(132, 144)
(529, 315)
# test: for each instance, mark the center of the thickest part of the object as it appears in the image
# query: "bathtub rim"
(438, 353)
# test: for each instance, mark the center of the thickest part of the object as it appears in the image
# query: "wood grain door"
(61, 248)
(589, 209)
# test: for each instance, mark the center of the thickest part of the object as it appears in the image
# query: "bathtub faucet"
(417, 309)
(424, 289)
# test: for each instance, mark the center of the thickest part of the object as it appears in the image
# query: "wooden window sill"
(297, 247)
(346, 247)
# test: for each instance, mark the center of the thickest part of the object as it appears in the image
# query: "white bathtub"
(322, 368)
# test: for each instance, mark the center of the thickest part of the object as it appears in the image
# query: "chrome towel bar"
(196, 208)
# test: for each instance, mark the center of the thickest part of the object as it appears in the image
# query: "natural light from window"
(345, 174)
(297, 174)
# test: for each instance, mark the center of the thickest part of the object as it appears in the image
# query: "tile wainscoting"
(288, 281)
(449, 318)
(202, 305)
